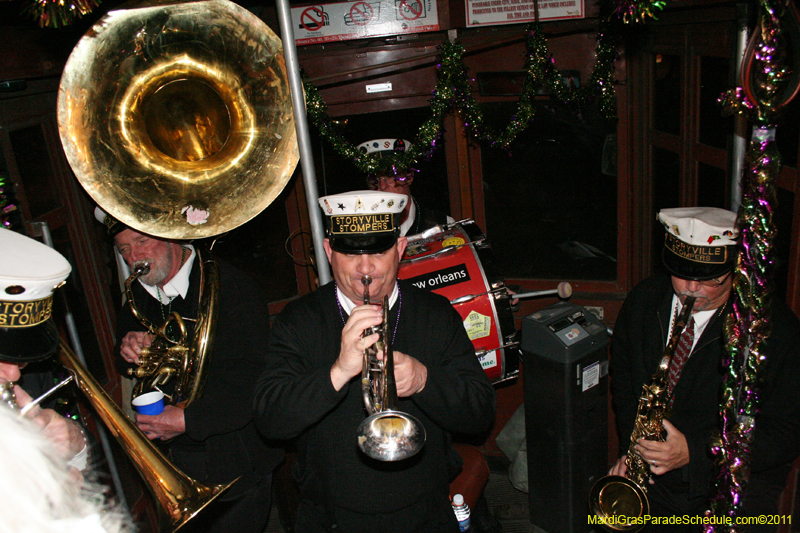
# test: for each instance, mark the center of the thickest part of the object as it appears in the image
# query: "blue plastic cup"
(150, 403)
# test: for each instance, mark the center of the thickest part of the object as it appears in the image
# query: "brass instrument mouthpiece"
(365, 281)
(141, 268)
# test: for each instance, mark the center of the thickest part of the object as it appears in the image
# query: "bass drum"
(457, 263)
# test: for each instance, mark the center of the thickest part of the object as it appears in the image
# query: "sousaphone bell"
(177, 118)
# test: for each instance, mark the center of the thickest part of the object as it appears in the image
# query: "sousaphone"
(177, 118)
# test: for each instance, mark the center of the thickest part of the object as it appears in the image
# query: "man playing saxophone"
(311, 388)
(700, 254)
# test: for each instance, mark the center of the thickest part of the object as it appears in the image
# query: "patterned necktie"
(681, 355)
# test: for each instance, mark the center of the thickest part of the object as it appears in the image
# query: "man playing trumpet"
(311, 388)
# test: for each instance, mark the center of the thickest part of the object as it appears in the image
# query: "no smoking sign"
(313, 19)
(410, 9)
(361, 19)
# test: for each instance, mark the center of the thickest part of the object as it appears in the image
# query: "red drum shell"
(457, 263)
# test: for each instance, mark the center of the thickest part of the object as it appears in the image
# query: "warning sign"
(312, 19)
(343, 21)
(411, 9)
(495, 12)
(362, 13)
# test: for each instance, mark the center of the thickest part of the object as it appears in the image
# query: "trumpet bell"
(621, 503)
(390, 436)
(177, 118)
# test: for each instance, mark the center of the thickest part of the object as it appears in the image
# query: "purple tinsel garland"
(749, 325)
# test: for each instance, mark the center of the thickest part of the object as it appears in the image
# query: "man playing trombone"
(311, 390)
(29, 273)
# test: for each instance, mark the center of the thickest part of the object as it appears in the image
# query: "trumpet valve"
(7, 396)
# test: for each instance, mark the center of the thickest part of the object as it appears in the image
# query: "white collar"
(178, 285)
(701, 318)
(348, 305)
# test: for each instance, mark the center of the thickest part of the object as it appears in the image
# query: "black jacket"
(639, 340)
(221, 442)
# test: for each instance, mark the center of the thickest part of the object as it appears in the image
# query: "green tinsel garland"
(633, 11)
(453, 91)
(58, 13)
(766, 84)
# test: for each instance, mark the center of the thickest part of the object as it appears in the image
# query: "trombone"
(179, 497)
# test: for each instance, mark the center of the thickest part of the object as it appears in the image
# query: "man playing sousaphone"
(311, 389)
(212, 440)
(700, 254)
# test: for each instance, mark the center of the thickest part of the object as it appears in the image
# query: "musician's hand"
(351, 353)
(166, 425)
(620, 468)
(63, 433)
(132, 344)
(514, 301)
(665, 456)
(409, 374)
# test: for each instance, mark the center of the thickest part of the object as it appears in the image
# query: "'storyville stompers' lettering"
(362, 223)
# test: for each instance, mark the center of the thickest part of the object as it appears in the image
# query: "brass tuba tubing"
(614, 497)
(386, 434)
(187, 358)
(179, 497)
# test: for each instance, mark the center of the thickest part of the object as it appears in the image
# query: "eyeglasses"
(714, 282)
(373, 182)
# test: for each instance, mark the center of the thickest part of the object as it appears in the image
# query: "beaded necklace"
(399, 308)
(720, 312)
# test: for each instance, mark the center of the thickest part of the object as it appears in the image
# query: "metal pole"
(72, 330)
(740, 122)
(303, 140)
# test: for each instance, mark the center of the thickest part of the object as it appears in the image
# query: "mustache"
(698, 298)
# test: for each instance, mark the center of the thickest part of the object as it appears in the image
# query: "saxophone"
(618, 500)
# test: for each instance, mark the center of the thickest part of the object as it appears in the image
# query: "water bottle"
(462, 512)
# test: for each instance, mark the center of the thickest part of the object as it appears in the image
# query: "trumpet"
(386, 434)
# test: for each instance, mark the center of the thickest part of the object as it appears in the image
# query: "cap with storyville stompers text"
(29, 273)
(700, 242)
(362, 222)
